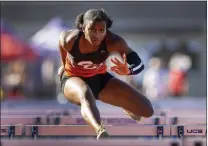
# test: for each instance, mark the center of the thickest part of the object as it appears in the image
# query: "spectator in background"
(179, 66)
(155, 79)
(48, 70)
(14, 80)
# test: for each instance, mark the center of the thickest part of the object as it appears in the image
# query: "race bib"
(88, 65)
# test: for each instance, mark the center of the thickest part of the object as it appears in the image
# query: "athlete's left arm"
(132, 58)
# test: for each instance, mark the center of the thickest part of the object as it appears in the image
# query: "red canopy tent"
(12, 49)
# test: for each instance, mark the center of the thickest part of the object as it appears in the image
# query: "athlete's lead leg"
(78, 92)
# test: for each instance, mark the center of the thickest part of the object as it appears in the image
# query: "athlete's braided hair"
(93, 15)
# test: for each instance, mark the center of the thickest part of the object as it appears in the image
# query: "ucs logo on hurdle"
(191, 130)
(195, 131)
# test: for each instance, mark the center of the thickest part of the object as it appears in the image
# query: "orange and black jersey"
(86, 65)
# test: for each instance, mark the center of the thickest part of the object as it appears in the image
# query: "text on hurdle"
(86, 130)
(188, 130)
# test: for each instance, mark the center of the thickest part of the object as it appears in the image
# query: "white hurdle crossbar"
(85, 130)
(182, 120)
(78, 120)
(156, 120)
(24, 120)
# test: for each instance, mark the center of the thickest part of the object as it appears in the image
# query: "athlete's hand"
(61, 71)
(120, 68)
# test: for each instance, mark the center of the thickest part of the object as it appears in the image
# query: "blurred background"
(170, 38)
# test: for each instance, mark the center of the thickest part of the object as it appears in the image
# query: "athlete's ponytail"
(109, 22)
(79, 20)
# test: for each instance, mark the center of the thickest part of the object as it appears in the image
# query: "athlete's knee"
(148, 109)
(77, 88)
(87, 96)
(75, 91)
(84, 95)
(148, 112)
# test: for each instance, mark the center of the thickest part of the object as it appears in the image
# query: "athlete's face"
(95, 32)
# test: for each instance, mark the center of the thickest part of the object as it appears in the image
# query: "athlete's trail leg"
(119, 93)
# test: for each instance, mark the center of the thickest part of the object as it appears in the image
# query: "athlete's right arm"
(65, 43)
(63, 52)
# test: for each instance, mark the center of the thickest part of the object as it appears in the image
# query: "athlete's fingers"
(124, 58)
(117, 70)
(120, 72)
(115, 62)
(118, 61)
(113, 68)
(60, 70)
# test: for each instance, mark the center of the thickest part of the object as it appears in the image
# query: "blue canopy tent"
(45, 41)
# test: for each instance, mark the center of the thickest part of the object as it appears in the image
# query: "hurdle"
(188, 130)
(11, 131)
(68, 120)
(85, 130)
(155, 120)
(185, 112)
(24, 120)
(91, 142)
(34, 112)
(186, 120)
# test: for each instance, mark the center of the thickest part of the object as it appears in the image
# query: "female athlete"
(84, 76)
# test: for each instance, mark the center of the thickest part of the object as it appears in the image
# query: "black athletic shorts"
(96, 83)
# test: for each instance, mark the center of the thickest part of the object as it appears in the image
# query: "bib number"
(87, 65)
